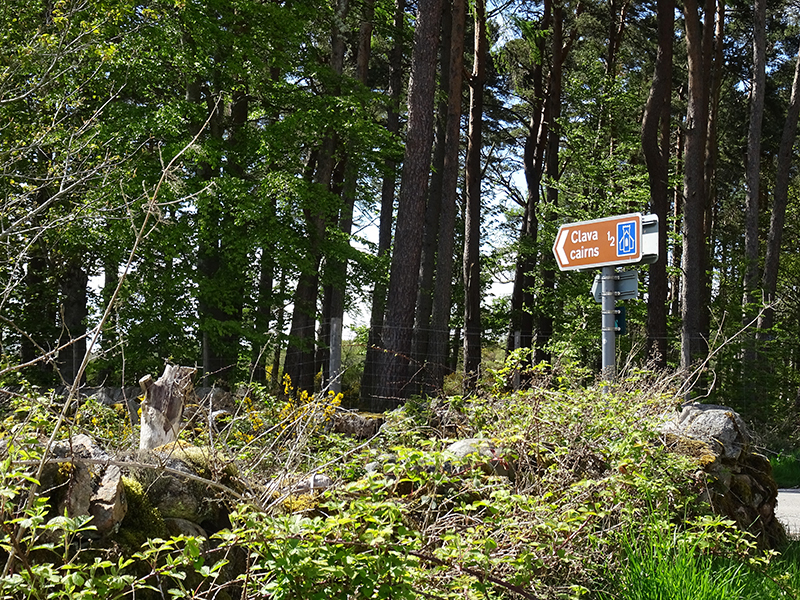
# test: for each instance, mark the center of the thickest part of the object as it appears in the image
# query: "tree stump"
(163, 405)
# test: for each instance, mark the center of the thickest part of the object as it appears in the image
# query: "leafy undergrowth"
(786, 469)
(593, 507)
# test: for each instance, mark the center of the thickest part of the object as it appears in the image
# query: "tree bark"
(369, 380)
(694, 248)
(74, 312)
(38, 319)
(280, 320)
(442, 301)
(433, 211)
(713, 46)
(655, 145)
(262, 314)
(338, 268)
(220, 259)
(753, 168)
(769, 279)
(527, 253)
(676, 279)
(544, 322)
(301, 361)
(404, 275)
(472, 211)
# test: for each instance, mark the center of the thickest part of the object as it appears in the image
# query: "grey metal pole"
(609, 310)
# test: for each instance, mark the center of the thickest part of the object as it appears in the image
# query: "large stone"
(718, 426)
(184, 527)
(191, 498)
(79, 483)
(360, 425)
(108, 503)
(740, 484)
(492, 459)
(317, 482)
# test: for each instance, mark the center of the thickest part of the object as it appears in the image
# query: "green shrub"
(786, 469)
(597, 508)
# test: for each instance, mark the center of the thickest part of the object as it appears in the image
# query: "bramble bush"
(593, 506)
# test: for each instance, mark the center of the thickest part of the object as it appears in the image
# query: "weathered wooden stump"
(163, 405)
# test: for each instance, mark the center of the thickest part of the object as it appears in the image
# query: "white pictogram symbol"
(626, 238)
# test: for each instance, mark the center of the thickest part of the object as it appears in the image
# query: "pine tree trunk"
(369, 380)
(753, 176)
(713, 46)
(544, 322)
(433, 211)
(437, 356)
(769, 279)
(404, 276)
(694, 247)
(472, 211)
(655, 144)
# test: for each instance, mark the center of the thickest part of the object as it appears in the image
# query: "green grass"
(662, 563)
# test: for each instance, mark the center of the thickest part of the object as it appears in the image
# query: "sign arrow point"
(562, 239)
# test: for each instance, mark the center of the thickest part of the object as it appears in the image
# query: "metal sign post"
(607, 242)
(609, 330)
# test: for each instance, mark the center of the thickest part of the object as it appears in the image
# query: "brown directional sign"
(599, 243)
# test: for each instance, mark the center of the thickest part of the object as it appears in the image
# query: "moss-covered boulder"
(143, 520)
(181, 484)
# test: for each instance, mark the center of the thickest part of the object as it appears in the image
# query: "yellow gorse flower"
(305, 406)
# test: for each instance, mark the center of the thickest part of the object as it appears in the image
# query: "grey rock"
(108, 504)
(735, 481)
(188, 498)
(718, 426)
(79, 446)
(479, 446)
(113, 395)
(360, 425)
(178, 526)
(317, 482)
(496, 459)
(86, 488)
